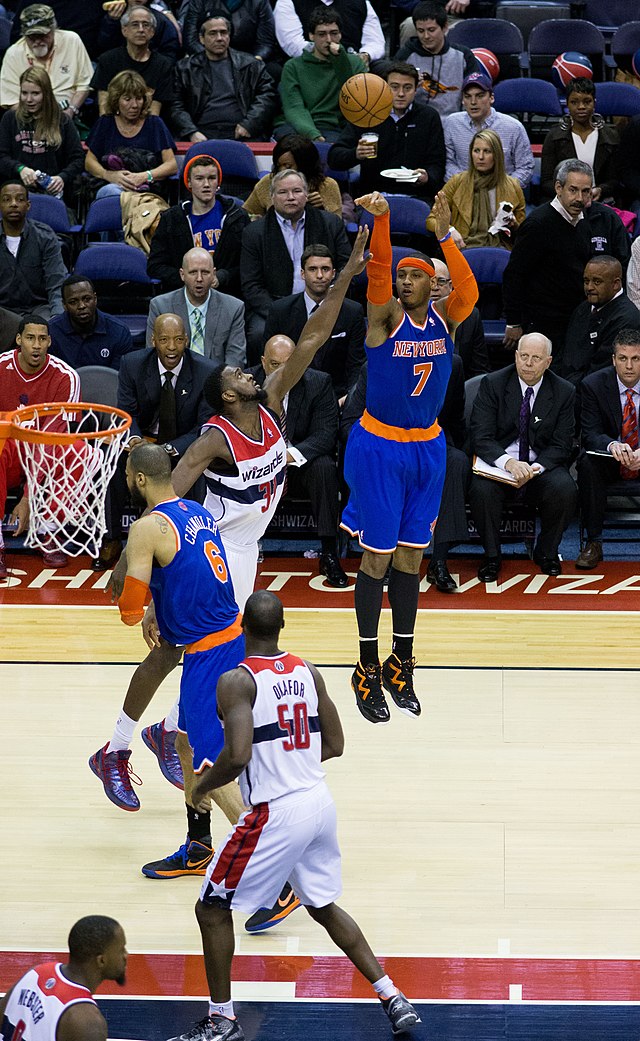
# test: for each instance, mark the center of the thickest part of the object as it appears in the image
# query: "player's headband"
(416, 262)
(195, 159)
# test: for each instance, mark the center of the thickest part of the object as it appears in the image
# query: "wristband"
(149, 176)
(21, 168)
(447, 236)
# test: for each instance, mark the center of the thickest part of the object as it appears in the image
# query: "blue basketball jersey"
(193, 595)
(409, 372)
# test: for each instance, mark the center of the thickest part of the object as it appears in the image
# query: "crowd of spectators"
(96, 103)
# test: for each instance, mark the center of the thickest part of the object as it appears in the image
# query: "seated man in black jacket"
(410, 136)
(221, 92)
(209, 220)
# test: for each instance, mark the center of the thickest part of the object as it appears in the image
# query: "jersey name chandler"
(285, 757)
(244, 498)
(38, 1001)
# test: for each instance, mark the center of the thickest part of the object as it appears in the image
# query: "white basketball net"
(67, 482)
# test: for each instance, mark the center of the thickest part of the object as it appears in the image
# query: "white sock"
(385, 989)
(170, 721)
(222, 1008)
(123, 733)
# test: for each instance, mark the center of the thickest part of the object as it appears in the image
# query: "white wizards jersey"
(285, 758)
(244, 500)
(37, 1002)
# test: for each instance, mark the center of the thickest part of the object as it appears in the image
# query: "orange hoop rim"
(10, 428)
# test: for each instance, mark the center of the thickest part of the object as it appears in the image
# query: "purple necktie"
(525, 416)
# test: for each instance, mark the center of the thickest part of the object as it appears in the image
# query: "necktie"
(197, 333)
(629, 433)
(525, 416)
(167, 412)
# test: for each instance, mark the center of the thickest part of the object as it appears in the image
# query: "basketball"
(568, 66)
(635, 63)
(488, 62)
(365, 100)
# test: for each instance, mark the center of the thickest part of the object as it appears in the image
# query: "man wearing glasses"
(138, 25)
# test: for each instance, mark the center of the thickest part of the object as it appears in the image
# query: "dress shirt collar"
(622, 391)
(309, 303)
(594, 310)
(286, 224)
(174, 372)
(397, 116)
(559, 208)
(535, 388)
(202, 308)
(486, 123)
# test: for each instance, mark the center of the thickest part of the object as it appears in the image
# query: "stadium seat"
(408, 218)
(617, 99)
(345, 177)
(534, 102)
(502, 37)
(488, 264)
(608, 15)
(104, 215)
(239, 168)
(528, 13)
(554, 36)
(119, 274)
(624, 44)
(51, 211)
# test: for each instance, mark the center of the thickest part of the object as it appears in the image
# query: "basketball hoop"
(69, 452)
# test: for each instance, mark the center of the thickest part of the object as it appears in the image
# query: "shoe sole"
(149, 742)
(110, 797)
(400, 706)
(182, 873)
(434, 582)
(586, 567)
(286, 911)
(377, 722)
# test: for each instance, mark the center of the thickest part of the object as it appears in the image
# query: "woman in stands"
(295, 152)
(36, 138)
(483, 197)
(128, 148)
(582, 134)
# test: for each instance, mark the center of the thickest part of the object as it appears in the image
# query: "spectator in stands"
(582, 134)
(208, 219)
(295, 152)
(609, 402)
(31, 266)
(35, 138)
(342, 355)
(479, 114)
(138, 26)
(272, 249)
(633, 274)
(214, 321)
(479, 216)
(543, 281)
(629, 162)
(166, 40)
(596, 322)
(84, 335)
(522, 423)
(310, 428)
(59, 51)
(310, 84)
(127, 139)
(362, 30)
(252, 25)
(29, 376)
(469, 336)
(222, 92)
(411, 136)
(443, 66)
(82, 18)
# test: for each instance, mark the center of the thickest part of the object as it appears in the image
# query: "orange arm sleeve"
(131, 603)
(379, 288)
(464, 295)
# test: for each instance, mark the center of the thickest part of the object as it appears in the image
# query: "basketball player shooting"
(396, 454)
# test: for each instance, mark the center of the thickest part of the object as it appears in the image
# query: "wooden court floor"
(506, 820)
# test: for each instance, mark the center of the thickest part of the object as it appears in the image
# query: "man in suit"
(214, 320)
(163, 391)
(272, 249)
(596, 322)
(342, 356)
(310, 428)
(522, 423)
(609, 422)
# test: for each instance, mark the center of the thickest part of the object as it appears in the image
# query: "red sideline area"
(425, 979)
(613, 586)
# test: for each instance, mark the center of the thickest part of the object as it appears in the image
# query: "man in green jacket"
(310, 85)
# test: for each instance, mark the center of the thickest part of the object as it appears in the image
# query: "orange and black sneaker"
(397, 679)
(192, 858)
(267, 917)
(370, 699)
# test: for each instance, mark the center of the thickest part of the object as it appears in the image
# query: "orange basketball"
(365, 100)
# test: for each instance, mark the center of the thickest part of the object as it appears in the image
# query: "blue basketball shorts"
(395, 488)
(198, 712)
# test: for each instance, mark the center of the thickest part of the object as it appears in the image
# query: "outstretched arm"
(383, 310)
(318, 328)
(464, 295)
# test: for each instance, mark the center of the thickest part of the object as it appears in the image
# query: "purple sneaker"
(114, 770)
(163, 745)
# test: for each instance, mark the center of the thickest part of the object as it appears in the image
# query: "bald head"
(263, 616)
(277, 351)
(198, 274)
(441, 282)
(169, 339)
(533, 357)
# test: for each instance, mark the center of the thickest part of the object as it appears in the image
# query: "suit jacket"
(600, 410)
(342, 355)
(224, 339)
(139, 394)
(589, 343)
(266, 269)
(312, 413)
(496, 413)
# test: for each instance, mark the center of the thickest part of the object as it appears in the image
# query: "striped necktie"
(629, 433)
(197, 332)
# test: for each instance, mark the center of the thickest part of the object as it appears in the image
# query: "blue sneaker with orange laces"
(114, 770)
(162, 743)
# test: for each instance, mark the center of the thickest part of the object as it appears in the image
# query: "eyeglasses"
(141, 25)
(443, 282)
